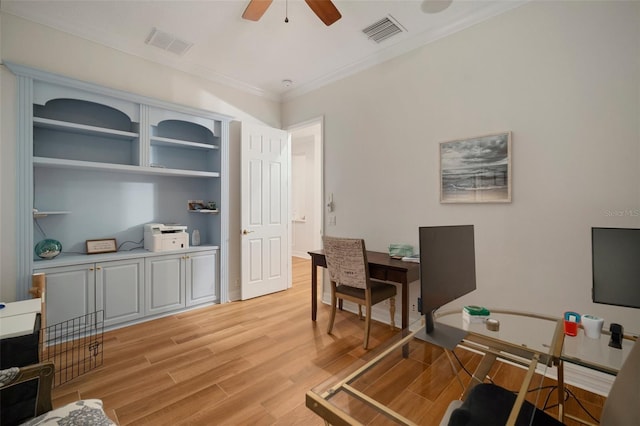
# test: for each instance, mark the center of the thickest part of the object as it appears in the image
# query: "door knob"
(245, 232)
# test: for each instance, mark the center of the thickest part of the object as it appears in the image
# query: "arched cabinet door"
(184, 142)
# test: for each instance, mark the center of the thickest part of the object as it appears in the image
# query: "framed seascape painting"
(476, 170)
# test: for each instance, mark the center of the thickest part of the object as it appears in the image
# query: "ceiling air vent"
(168, 42)
(383, 29)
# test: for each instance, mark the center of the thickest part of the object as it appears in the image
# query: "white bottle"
(195, 238)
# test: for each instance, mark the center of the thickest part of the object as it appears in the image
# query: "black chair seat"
(379, 291)
(490, 405)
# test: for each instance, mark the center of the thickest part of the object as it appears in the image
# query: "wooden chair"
(349, 275)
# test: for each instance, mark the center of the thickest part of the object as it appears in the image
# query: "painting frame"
(105, 245)
(476, 169)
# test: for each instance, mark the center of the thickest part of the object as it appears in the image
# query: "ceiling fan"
(325, 10)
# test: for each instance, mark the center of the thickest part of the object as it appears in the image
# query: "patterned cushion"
(79, 413)
(8, 375)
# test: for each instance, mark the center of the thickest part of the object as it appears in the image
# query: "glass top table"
(411, 382)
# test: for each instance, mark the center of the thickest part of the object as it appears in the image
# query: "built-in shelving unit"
(118, 160)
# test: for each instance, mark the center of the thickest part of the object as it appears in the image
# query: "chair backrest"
(622, 406)
(347, 261)
(26, 392)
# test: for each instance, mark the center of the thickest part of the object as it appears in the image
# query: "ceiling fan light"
(434, 6)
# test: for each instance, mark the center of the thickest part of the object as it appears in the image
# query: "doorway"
(306, 194)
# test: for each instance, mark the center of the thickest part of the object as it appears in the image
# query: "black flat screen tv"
(616, 266)
(447, 272)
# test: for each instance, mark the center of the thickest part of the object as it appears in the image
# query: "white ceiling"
(257, 56)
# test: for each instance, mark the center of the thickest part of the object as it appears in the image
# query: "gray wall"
(564, 77)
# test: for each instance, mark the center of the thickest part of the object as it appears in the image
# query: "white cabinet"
(175, 281)
(120, 290)
(143, 285)
(164, 278)
(70, 292)
(202, 272)
(115, 287)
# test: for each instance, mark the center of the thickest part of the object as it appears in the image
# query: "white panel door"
(265, 214)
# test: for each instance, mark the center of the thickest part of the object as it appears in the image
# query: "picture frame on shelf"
(106, 245)
(476, 170)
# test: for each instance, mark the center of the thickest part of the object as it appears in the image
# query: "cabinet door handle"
(91, 269)
(99, 268)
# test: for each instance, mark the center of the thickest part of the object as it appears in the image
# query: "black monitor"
(616, 266)
(447, 272)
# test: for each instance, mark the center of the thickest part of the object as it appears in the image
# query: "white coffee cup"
(592, 326)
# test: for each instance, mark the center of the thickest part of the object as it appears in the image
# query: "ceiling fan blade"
(325, 10)
(255, 9)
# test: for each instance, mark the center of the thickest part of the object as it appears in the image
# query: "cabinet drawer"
(384, 274)
(378, 272)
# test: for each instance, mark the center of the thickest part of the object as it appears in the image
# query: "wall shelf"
(46, 123)
(39, 214)
(91, 165)
(205, 211)
(160, 141)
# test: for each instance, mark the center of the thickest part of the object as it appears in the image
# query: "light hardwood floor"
(250, 363)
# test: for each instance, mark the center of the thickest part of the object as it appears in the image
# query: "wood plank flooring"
(251, 363)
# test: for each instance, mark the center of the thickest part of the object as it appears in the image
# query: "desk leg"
(561, 391)
(314, 290)
(405, 305)
(480, 372)
(405, 315)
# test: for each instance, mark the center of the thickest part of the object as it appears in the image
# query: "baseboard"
(585, 378)
(302, 254)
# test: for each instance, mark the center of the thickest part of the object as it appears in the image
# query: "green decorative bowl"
(48, 249)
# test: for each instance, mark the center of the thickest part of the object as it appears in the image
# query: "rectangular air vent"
(168, 42)
(383, 29)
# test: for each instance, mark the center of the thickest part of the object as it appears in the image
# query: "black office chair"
(490, 405)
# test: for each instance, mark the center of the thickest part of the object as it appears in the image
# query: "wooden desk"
(381, 267)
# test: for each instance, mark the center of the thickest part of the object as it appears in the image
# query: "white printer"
(159, 237)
